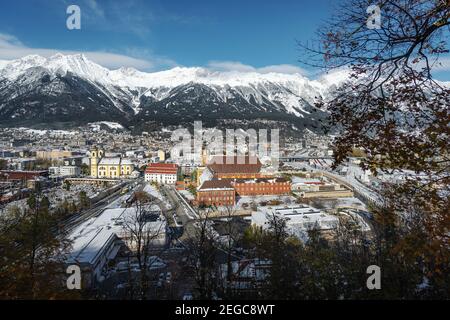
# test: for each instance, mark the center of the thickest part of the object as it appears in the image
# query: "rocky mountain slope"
(71, 90)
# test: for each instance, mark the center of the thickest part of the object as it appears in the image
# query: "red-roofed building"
(162, 173)
(22, 175)
(237, 167)
(217, 193)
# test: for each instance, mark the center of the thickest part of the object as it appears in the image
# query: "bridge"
(93, 181)
(360, 193)
(303, 158)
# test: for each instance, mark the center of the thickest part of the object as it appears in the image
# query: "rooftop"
(216, 184)
(235, 164)
(162, 168)
(93, 235)
(110, 161)
(90, 237)
(299, 219)
(261, 180)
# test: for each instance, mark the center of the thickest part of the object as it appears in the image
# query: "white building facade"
(162, 173)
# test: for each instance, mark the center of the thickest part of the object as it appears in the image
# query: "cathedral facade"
(110, 168)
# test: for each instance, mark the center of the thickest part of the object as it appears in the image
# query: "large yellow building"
(112, 168)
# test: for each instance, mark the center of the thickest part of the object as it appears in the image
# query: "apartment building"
(65, 171)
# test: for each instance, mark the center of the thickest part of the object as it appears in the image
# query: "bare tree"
(202, 250)
(233, 237)
(142, 230)
(396, 112)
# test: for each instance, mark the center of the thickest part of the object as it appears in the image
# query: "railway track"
(74, 221)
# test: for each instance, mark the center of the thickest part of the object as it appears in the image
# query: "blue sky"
(157, 34)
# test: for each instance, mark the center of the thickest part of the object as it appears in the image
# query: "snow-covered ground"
(95, 126)
(152, 191)
(296, 179)
(286, 200)
(185, 193)
(49, 132)
(58, 195)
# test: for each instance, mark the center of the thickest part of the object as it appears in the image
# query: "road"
(181, 211)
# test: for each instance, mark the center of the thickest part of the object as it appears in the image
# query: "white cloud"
(283, 68)
(11, 48)
(240, 67)
(119, 16)
(94, 6)
(135, 17)
(230, 66)
(8, 41)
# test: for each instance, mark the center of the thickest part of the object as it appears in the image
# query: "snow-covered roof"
(126, 162)
(300, 180)
(93, 236)
(115, 161)
(110, 161)
(299, 217)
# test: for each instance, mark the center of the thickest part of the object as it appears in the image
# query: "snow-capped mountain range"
(72, 89)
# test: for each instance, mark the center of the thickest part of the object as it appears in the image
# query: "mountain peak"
(180, 93)
(15, 68)
(57, 56)
(76, 56)
(129, 77)
(128, 71)
(57, 64)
